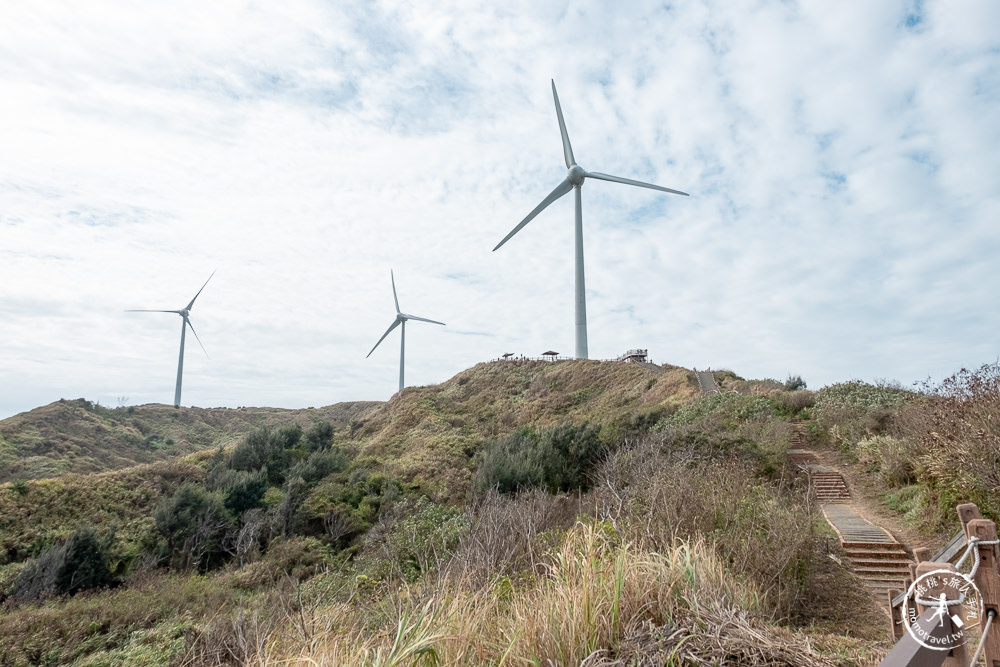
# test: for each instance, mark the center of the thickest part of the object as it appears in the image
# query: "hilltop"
(428, 436)
(78, 436)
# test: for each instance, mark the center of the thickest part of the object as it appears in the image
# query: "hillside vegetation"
(427, 437)
(519, 513)
(77, 436)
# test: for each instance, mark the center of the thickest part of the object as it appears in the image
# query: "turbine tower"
(574, 181)
(399, 321)
(185, 313)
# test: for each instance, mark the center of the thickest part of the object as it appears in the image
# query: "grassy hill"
(77, 436)
(427, 436)
(302, 542)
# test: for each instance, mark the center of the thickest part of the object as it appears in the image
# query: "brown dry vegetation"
(930, 450)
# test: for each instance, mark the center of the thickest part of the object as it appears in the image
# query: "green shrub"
(729, 409)
(320, 463)
(891, 458)
(265, 448)
(791, 403)
(416, 538)
(194, 524)
(556, 459)
(849, 412)
(794, 383)
(319, 437)
(81, 563)
(244, 491)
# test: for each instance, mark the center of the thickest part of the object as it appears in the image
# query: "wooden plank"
(908, 652)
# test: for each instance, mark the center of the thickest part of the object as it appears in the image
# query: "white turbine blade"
(560, 190)
(134, 310)
(196, 296)
(422, 319)
(629, 181)
(394, 298)
(567, 149)
(188, 322)
(387, 331)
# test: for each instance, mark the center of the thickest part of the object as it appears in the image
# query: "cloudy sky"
(843, 162)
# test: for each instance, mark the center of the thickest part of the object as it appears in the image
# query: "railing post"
(987, 580)
(896, 616)
(958, 656)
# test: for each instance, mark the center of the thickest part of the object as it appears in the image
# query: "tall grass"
(597, 595)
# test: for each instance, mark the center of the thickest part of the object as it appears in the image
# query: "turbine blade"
(560, 190)
(188, 322)
(629, 181)
(394, 298)
(134, 310)
(422, 319)
(567, 149)
(387, 331)
(196, 296)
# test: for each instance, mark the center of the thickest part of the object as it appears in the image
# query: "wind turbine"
(185, 313)
(399, 321)
(574, 181)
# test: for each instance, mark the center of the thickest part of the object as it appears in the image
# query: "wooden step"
(874, 546)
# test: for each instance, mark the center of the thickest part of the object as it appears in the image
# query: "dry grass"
(600, 600)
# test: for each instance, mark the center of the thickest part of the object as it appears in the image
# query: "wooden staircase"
(882, 563)
(829, 485)
(883, 566)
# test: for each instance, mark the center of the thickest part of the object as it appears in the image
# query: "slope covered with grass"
(428, 436)
(77, 436)
(519, 513)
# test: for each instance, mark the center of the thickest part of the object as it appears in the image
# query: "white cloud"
(841, 163)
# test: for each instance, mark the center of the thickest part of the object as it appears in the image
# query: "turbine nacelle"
(576, 175)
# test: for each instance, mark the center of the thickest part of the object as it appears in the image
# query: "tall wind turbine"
(399, 321)
(574, 181)
(185, 313)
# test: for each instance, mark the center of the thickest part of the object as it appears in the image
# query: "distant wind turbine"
(574, 181)
(399, 321)
(185, 313)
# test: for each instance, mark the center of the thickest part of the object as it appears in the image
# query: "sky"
(843, 162)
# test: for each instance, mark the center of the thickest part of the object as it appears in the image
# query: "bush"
(728, 410)
(791, 403)
(794, 383)
(960, 445)
(269, 449)
(852, 411)
(81, 563)
(319, 437)
(415, 538)
(244, 491)
(656, 493)
(891, 458)
(194, 525)
(555, 459)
